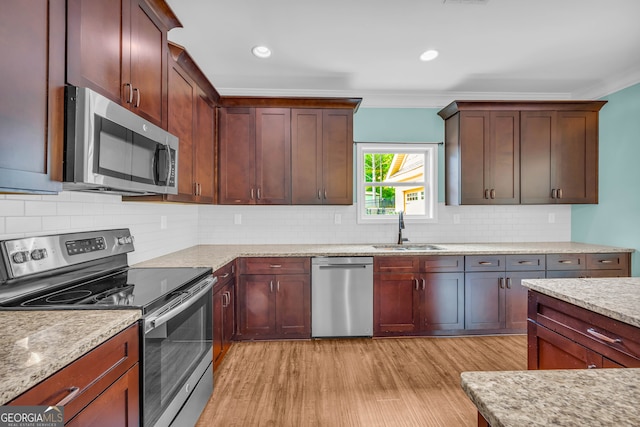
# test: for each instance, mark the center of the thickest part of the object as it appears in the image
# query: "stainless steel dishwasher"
(341, 297)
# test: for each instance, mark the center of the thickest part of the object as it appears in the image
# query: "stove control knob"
(124, 240)
(38, 254)
(20, 257)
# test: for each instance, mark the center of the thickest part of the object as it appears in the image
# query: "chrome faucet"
(400, 228)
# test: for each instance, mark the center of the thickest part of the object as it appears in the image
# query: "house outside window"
(395, 177)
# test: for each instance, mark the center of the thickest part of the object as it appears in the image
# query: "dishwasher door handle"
(344, 266)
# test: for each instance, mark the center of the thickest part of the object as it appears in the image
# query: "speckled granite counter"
(36, 344)
(215, 256)
(617, 298)
(602, 397)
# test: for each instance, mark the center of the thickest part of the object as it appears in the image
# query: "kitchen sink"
(409, 247)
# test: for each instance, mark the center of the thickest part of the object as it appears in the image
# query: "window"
(394, 177)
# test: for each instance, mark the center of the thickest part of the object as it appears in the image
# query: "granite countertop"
(617, 298)
(36, 344)
(216, 256)
(566, 398)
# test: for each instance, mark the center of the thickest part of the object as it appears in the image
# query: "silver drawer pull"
(485, 263)
(605, 261)
(73, 392)
(525, 262)
(565, 261)
(225, 275)
(275, 265)
(604, 337)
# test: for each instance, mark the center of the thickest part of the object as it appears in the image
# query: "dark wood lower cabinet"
(107, 379)
(223, 312)
(274, 306)
(564, 336)
(408, 303)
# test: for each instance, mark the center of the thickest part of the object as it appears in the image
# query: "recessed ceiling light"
(429, 55)
(261, 51)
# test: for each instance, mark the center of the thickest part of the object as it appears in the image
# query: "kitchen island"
(599, 322)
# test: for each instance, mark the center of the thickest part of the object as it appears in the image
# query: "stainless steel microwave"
(111, 149)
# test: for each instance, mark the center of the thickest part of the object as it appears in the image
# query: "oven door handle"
(153, 322)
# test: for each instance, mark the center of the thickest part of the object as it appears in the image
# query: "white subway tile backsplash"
(39, 208)
(11, 207)
(23, 224)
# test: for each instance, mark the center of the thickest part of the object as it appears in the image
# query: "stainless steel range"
(89, 270)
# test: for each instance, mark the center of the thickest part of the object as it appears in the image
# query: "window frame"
(430, 151)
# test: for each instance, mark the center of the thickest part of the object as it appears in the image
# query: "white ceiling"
(503, 49)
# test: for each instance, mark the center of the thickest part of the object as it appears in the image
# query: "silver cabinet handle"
(417, 285)
(559, 193)
(325, 193)
(485, 263)
(553, 193)
(252, 193)
(130, 93)
(258, 192)
(604, 337)
(605, 261)
(73, 392)
(565, 261)
(275, 265)
(278, 286)
(493, 193)
(501, 282)
(508, 282)
(271, 286)
(137, 91)
(319, 197)
(525, 262)
(424, 284)
(486, 193)
(225, 275)
(592, 366)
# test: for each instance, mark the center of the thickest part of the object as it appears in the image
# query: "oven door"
(177, 352)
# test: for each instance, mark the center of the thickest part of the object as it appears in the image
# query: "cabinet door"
(204, 150)
(484, 300)
(574, 170)
(293, 305)
(148, 63)
(502, 158)
(92, 26)
(229, 316)
(396, 302)
(442, 306)
(273, 156)
(180, 123)
(237, 156)
(306, 156)
(536, 140)
(31, 95)
(118, 405)
(474, 137)
(337, 157)
(516, 298)
(256, 306)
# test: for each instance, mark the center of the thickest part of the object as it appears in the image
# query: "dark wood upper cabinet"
(568, 142)
(255, 156)
(119, 49)
(32, 96)
(302, 150)
(322, 156)
(521, 152)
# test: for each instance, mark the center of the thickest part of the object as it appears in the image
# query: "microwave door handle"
(154, 167)
(168, 164)
(154, 321)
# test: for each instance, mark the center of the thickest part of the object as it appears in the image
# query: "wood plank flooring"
(355, 382)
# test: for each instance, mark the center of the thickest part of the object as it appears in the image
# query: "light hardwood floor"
(355, 382)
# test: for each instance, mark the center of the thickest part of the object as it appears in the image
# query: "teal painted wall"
(402, 125)
(616, 219)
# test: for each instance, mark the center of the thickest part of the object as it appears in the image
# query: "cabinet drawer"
(484, 263)
(225, 274)
(278, 265)
(396, 264)
(566, 261)
(441, 263)
(88, 376)
(525, 262)
(616, 261)
(615, 340)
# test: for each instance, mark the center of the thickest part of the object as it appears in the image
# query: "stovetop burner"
(67, 297)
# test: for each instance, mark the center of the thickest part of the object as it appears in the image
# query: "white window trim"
(430, 149)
